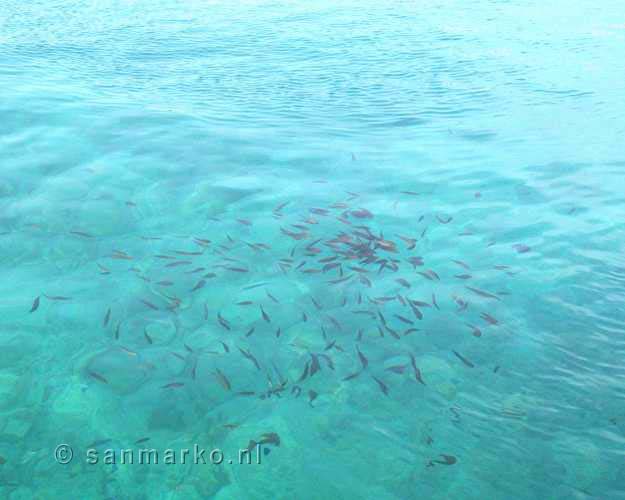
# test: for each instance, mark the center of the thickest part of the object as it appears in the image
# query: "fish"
(248, 355)
(265, 315)
(521, 248)
(463, 359)
(237, 269)
(97, 376)
(312, 395)
(223, 322)
(317, 305)
(403, 282)
(482, 293)
(314, 365)
(443, 221)
(117, 331)
(245, 303)
(462, 264)
(35, 305)
(434, 302)
(165, 283)
(81, 233)
(149, 304)
(179, 263)
(489, 319)
(363, 360)
(463, 276)
(200, 284)
(381, 385)
(352, 376)
(447, 460)
(56, 297)
(272, 297)
(173, 385)
(107, 316)
(250, 331)
(142, 440)
(476, 331)
(222, 379)
(404, 319)
(397, 369)
(417, 372)
(147, 337)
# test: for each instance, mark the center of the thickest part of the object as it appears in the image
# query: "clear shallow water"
(150, 128)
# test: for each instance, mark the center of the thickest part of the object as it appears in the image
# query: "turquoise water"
(167, 167)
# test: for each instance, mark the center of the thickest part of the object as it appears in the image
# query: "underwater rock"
(11, 386)
(581, 460)
(118, 369)
(438, 374)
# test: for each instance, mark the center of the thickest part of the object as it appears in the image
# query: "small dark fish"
(496, 369)
(312, 395)
(226, 348)
(107, 317)
(397, 369)
(250, 331)
(314, 365)
(447, 460)
(142, 440)
(99, 442)
(278, 332)
(265, 315)
(352, 376)
(248, 355)
(147, 337)
(173, 385)
(482, 293)
(97, 376)
(245, 222)
(463, 276)
(304, 317)
(403, 282)
(223, 322)
(80, 233)
(237, 269)
(521, 248)
(222, 379)
(434, 302)
(117, 331)
(35, 305)
(363, 360)
(418, 314)
(463, 359)
(403, 319)
(476, 331)
(272, 297)
(381, 384)
(489, 319)
(462, 264)
(199, 285)
(245, 303)
(56, 297)
(417, 372)
(443, 221)
(316, 304)
(165, 283)
(149, 304)
(179, 263)
(412, 193)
